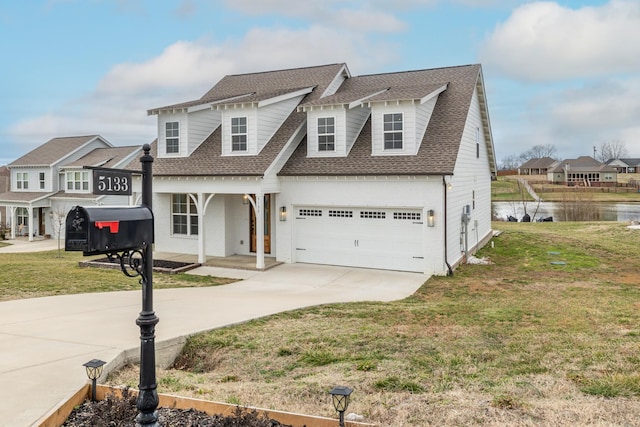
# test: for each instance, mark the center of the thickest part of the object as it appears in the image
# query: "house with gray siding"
(49, 180)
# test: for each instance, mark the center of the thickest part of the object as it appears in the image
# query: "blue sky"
(561, 72)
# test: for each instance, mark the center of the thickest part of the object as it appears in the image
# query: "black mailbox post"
(126, 233)
(105, 229)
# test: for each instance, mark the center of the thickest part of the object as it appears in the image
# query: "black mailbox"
(104, 229)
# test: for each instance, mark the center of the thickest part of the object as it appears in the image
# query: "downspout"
(444, 187)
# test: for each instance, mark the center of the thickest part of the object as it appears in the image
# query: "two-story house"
(49, 180)
(314, 165)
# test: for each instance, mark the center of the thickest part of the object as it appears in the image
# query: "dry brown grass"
(519, 342)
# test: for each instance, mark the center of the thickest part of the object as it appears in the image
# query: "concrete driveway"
(45, 341)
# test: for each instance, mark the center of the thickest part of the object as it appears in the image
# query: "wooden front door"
(267, 225)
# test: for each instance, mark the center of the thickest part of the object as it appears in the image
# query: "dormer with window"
(332, 130)
(398, 125)
(249, 122)
(182, 130)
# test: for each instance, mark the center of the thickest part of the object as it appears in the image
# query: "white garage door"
(389, 239)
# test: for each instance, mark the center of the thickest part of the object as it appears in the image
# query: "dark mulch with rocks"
(160, 265)
(114, 411)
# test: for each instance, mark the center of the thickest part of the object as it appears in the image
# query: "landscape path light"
(94, 370)
(340, 395)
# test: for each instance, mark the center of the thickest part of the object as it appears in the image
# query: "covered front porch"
(219, 225)
(237, 262)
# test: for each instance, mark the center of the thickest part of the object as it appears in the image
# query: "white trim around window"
(172, 137)
(22, 180)
(77, 181)
(326, 127)
(392, 131)
(239, 134)
(184, 215)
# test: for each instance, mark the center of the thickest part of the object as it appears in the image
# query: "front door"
(267, 225)
(40, 221)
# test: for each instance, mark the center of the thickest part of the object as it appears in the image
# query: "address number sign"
(116, 183)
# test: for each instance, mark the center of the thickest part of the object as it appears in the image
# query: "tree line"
(607, 150)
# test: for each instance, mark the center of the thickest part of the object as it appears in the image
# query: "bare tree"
(539, 151)
(58, 218)
(610, 150)
(510, 163)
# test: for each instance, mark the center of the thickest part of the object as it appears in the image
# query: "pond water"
(606, 211)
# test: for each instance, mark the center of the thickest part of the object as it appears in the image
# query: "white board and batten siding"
(271, 117)
(471, 185)
(199, 126)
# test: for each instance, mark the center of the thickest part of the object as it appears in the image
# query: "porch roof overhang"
(15, 198)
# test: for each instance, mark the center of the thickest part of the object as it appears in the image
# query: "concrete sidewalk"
(45, 341)
(24, 245)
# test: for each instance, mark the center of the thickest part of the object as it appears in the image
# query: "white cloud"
(185, 71)
(575, 119)
(544, 41)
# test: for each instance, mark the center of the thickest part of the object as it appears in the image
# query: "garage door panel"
(372, 238)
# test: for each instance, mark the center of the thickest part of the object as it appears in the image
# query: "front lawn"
(545, 335)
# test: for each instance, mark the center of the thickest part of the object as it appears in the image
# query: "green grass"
(513, 333)
(29, 275)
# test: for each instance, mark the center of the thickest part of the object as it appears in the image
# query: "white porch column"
(201, 203)
(202, 258)
(260, 231)
(30, 227)
(13, 222)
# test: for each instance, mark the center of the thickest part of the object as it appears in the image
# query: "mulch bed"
(118, 412)
(159, 265)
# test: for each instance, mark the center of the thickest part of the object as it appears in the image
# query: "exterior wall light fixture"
(94, 370)
(431, 219)
(283, 213)
(340, 395)
(245, 199)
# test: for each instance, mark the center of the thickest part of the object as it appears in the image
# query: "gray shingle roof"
(22, 196)
(436, 156)
(439, 148)
(258, 86)
(582, 164)
(207, 159)
(105, 157)
(538, 163)
(52, 151)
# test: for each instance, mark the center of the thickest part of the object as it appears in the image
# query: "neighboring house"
(5, 176)
(625, 165)
(313, 165)
(538, 166)
(49, 180)
(584, 171)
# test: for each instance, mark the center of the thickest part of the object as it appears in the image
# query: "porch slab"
(237, 262)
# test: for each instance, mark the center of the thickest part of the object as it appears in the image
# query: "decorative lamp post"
(340, 395)
(94, 370)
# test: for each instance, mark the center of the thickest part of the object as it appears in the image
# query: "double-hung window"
(326, 134)
(238, 134)
(78, 181)
(184, 215)
(172, 137)
(22, 180)
(42, 181)
(392, 131)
